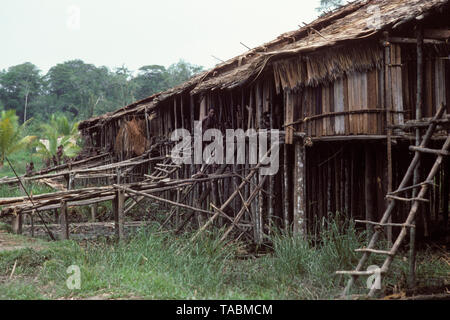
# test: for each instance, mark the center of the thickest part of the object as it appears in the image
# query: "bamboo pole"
(299, 226)
(64, 213)
(208, 222)
(285, 188)
(243, 209)
(18, 219)
(32, 222)
(416, 177)
(17, 222)
(261, 208)
(94, 208)
(368, 184)
(153, 197)
(235, 167)
(243, 183)
(77, 172)
(445, 192)
(64, 221)
(387, 92)
(271, 178)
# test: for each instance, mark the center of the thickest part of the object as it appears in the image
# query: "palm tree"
(11, 132)
(59, 131)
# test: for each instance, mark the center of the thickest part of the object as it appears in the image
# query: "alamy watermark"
(73, 21)
(374, 281)
(74, 280)
(374, 21)
(231, 149)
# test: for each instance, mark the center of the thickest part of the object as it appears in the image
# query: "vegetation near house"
(70, 91)
(58, 132)
(11, 135)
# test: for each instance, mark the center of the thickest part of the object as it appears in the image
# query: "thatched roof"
(340, 29)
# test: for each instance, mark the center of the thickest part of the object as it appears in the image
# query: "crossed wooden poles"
(147, 189)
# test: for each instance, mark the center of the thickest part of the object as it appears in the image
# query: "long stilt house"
(352, 94)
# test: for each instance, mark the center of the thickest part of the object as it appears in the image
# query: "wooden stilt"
(18, 219)
(368, 188)
(32, 222)
(387, 95)
(346, 187)
(445, 193)
(64, 221)
(328, 181)
(118, 204)
(94, 208)
(299, 190)
(260, 204)
(271, 198)
(147, 124)
(416, 177)
(17, 223)
(352, 195)
(286, 188)
(56, 215)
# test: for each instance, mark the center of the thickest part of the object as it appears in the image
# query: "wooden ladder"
(393, 196)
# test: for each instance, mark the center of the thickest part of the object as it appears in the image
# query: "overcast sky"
(141, 32)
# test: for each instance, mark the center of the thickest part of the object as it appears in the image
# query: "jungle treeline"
(80, 90)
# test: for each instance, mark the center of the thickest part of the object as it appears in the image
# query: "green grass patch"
(7, 191)
(19, 161)
(20, 290)
(164, 266)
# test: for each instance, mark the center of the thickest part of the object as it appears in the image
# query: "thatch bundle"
(325, 66)
(131, 139)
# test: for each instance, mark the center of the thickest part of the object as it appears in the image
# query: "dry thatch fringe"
(325, 66)
(131, 138)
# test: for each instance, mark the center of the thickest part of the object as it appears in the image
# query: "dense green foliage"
(11, 135)
(80, 90)
(58, 132)
(49, 106)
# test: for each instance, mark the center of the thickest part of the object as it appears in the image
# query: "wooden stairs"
(394, 198)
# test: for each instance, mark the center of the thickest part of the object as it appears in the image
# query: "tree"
(327, 5)
(59, 131)
(11, 139)
(155, 78)
(122, 78)
(180, 72)
(78, 85)
(150, 80)
(79, 90)
(18, 86)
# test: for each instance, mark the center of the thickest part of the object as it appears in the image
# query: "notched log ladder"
(394, 199)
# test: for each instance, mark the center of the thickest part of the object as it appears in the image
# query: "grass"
(163, 266)
(19, 161)
(7, 191)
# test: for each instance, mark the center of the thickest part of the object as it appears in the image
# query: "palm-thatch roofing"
(299, 49)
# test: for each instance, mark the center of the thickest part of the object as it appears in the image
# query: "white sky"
(139, 32)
